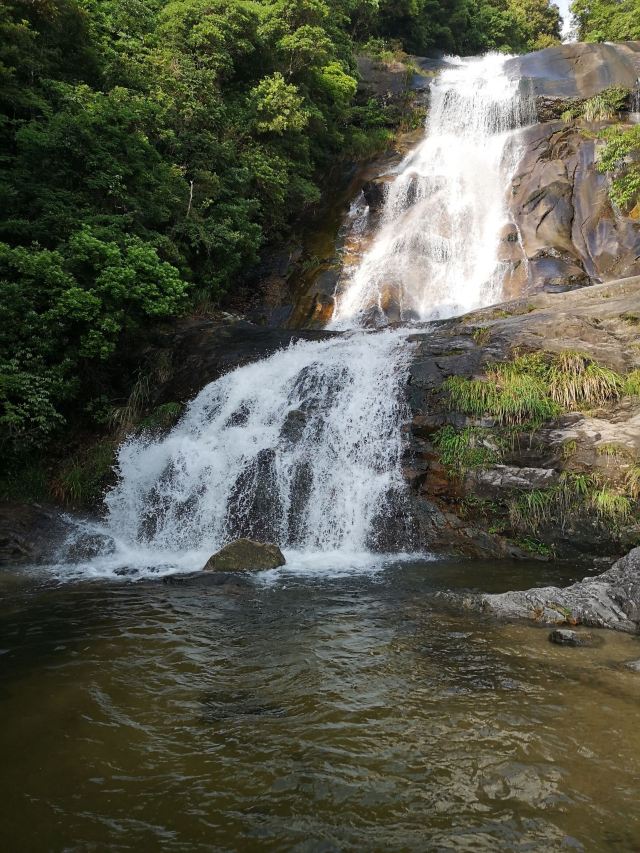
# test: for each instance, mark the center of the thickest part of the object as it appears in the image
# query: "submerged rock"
(564, 637)
(245, 555)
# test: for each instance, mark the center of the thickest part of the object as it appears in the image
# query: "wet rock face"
(569, 234)
(374, 192)
(245, 555)
(578, 70)
(29, 533)
(204, 350)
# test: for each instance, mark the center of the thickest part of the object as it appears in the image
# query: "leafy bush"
(150, 151)
(606, 20)
(620, 158)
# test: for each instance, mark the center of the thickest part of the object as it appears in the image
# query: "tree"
(607, 20)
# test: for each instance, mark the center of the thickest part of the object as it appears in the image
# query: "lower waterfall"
(302, 448)
(305, 447)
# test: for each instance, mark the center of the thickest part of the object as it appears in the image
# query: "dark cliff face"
(467, 505)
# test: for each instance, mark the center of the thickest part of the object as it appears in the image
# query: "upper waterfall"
(435, 251)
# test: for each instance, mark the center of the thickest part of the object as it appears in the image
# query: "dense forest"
(150, 150)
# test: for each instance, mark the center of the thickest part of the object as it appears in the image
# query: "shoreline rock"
(610, 600)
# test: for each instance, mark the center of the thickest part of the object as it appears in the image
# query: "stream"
(310, 712)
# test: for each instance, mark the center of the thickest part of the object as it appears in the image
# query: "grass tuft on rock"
(576, 380)
(514, 393)
(461, 450)
(576, 495)
(537, 387)
(83, 479)
(631, 384)
(605, 105)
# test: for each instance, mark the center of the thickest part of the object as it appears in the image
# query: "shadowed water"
(309, 713)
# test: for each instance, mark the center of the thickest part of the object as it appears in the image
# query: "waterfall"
(304, 448)
(435, 253)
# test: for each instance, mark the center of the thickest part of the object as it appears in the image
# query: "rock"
(610, 600)
(29, 532)
(245, 555)
(294, 425)
(578, 70)
(494, 480)
(549, 108)
(570, 235)
(374, 192)
(633, 665)
(470, 514)
(564, 637)
(204, 350)
(228, 581)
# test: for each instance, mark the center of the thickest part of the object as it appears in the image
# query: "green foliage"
(605, 105)
(632, 482)
(607, 20)
(513, 393)
(461, 450)
(481, 335)
(534, 546)
(163, 417)
(610, 506)
(620, 158)
(575, 495)
(631, 384)
(611, 450)
(150, 150)
(25, 483)
(61, 312)
(576, 380)
(83, 479)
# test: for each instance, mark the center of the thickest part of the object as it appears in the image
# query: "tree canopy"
(150, 149)
(607, 20)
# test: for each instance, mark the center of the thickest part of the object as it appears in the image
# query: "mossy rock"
(245, 555)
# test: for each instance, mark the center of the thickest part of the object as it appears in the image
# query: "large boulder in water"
(245, 555)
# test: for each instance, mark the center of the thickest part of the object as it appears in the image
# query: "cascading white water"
(435, 253)
(304, 447)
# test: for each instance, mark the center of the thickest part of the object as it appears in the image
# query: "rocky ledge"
(524, 438)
